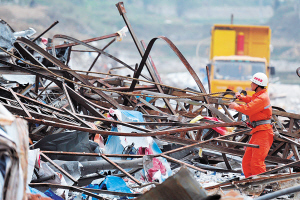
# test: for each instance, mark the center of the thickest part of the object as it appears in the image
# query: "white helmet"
(260, 79)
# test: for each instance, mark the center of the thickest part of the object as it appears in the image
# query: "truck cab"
(234, 72)
(236, 53)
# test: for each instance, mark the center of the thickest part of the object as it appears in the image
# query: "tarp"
(114, 183)
(72, 167)
(35, 191)
(111, 183)
(221, 130)
(51, 194)
(142, 145)
(75, 141)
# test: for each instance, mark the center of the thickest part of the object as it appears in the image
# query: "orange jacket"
(258, 108)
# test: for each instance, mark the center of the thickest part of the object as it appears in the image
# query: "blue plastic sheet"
(52, 195)
(35, 191)
(114, 183)
(111, 183)
(117, 144)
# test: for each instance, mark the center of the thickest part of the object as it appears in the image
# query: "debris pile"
(74, 134)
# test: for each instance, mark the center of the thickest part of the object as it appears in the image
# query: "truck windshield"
(237, 70)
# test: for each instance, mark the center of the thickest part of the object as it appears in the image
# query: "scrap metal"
(64, 99)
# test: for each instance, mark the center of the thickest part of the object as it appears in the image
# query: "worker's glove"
(238, 95)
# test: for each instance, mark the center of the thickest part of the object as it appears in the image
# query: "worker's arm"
(245, 99)
(252, 107)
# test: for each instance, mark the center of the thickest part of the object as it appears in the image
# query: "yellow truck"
(236, 53)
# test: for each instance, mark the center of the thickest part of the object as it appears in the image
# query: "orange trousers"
(254, 158)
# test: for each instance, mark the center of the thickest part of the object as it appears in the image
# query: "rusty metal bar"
(58, 167)
(291, 126)
(296, 163)
(46, 93)
(76, 117)
(78, 98)
(281, 192)
(73, 188)
(21, 104)
(202, 142)
(35, 112)
(60, 64)
(183, 163)
(98, 50)
(127, 124)
(37, 82)
(255, 181)
(68, 97)
(38, 129)
(26, 54)
(85, 41)
(40, 35)
(87, 191)
(45, 88)
(226, 161)
(151, 62)
(126, 89)
(86, 103)
(122, 12)
(295, 151)
(91, 154)
(218, 148)
(112, 41)
(286, 114)
(287, 139)
(237, 143)
(121, 169)
(152, 133)
(208, 78)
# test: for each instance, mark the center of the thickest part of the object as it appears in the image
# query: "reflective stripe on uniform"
(268, 106)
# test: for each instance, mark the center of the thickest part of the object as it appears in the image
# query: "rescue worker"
(259, 110)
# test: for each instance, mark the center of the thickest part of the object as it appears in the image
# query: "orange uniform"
(258, 108)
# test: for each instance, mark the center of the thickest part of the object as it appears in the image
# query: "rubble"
(79, 134)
